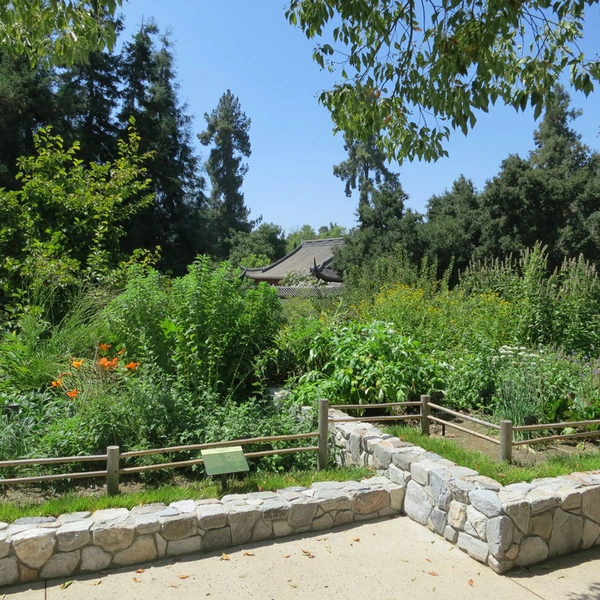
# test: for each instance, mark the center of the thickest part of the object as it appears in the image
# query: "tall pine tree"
(227, 130)
(175, 221)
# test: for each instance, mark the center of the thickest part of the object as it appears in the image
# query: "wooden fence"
(114, 456)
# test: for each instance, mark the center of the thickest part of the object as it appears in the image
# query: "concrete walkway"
(391, 559)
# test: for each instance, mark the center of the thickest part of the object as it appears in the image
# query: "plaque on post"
(222, 461)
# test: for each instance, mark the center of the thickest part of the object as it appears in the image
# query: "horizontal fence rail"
(113, 456)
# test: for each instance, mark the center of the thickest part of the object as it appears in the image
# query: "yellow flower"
(72, 394)
(105, 347)
(132, 366)
(77, 363)
(56, 383)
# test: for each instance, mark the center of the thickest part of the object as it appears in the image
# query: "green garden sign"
(221, 461)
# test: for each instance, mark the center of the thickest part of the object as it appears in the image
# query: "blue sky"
(247, 46)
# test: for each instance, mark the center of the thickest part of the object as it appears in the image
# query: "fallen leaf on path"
(248, 553)
(428, 560)
(321, 539)
(328, 548)
(182, 576)
(174, 585)
(308, 554)
(141, 571)
(433, 573)
(97, 582)
(136, 580)
(224, 556)
(66, 584)
(286, 555)
(356, 539)
(471, 582)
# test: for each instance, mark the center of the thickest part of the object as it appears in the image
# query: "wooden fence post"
(112, 470)
(323, 434)
(425, 414)
(506, 440)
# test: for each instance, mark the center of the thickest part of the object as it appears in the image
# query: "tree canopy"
(413, 71)
(55, 32)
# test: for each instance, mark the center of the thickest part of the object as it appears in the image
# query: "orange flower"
(108, 364)
(105, 347)
(57, 383)
(132, 366)
(72, 394)
(77, 363)
(121, 351)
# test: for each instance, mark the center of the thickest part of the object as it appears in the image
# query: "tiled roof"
(300, 260)
(309, 291)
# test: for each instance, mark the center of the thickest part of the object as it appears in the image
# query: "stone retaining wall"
(47, 547)
(501, 526)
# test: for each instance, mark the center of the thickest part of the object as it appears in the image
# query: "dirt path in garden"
(392, 559)
(529, 454)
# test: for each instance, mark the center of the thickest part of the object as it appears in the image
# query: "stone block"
(26, 574)
(34, 547)
(499, 533)
(475, 548)
(216, 539)
(333, 499)
(184, 506)
(9, 570)
(541, 499)
(343, 517)
(437, 521)
(397, 494)
(94, 559)
(478, 522)
(486, 501)
(302, 513)
(73, 535)
(179, 527)
(62, 564)
(189, 545)
(590, 503)
(263, 530)
(457, 515)
(142, 550)
(145, 523)
(541, 525)
(567, 533)
(591, 533)
(417, 504)
(109, 514)
(275, 508)
(113, 535)
(460, 488)
(450, 534)
(533, 550)
(282, 528)
(421, 469)
(398, 476)
(371, 501)
(161, 545)
(211, 516)
(519, 511)
(404, 457)
(500, 565)
(241, 522)
(4, 546)
(324, 522)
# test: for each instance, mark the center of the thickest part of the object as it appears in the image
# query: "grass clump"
(502, 472)
(167, 493)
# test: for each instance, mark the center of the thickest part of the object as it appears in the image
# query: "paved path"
(390, 559)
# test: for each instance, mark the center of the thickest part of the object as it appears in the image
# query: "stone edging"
(35, 548)
(501, 526)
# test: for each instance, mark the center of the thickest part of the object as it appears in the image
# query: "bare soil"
(525, 455)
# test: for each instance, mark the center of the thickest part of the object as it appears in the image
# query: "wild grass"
(167, 493)
(502, 472)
